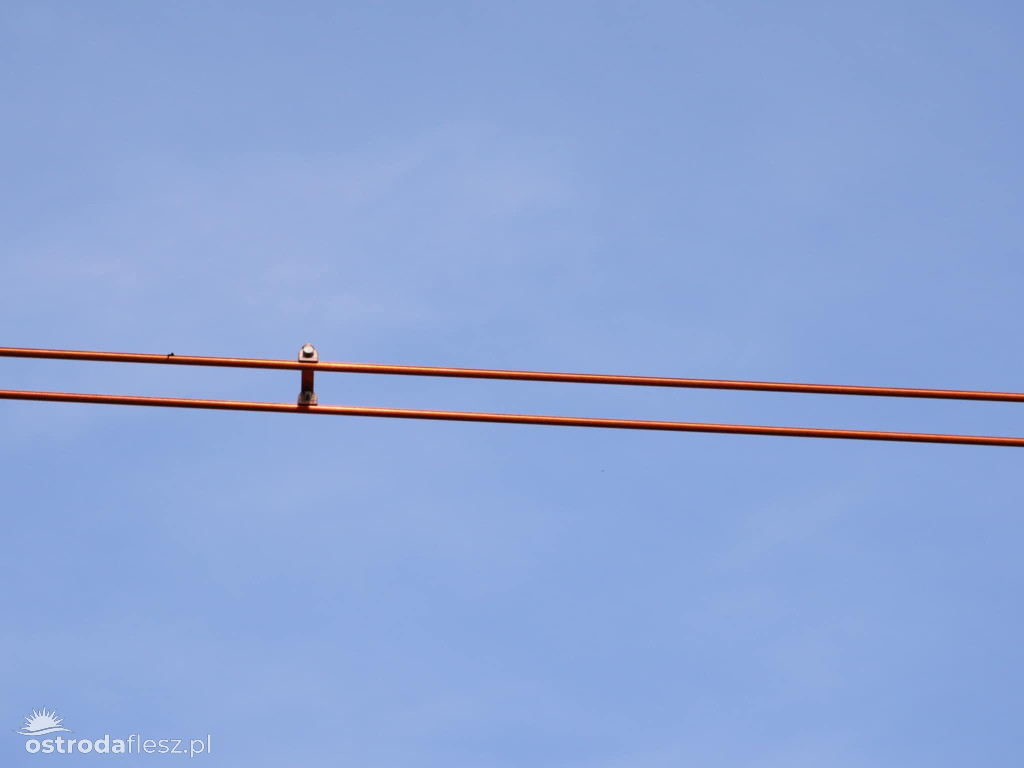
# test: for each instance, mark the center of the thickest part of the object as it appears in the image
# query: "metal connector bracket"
(307, 395)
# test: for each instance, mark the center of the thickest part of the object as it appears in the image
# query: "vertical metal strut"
(307, 395)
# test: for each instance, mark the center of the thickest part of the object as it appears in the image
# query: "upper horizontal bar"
(485, 373)
(514, 418)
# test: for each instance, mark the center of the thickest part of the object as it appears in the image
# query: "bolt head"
(307, 351)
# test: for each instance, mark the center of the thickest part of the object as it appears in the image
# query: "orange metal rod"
(512, 418)
(485, 373)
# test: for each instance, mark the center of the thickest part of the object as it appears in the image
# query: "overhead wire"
(310, 406)
(513, 375)
(512, 418)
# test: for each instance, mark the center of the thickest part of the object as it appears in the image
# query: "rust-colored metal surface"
(485, 373)
(513, 418)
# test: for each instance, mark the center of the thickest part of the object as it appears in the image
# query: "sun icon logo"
(42, 723)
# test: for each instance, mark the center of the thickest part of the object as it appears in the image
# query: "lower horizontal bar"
(512, 418)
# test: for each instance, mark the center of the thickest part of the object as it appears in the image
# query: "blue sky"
(825, 192)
